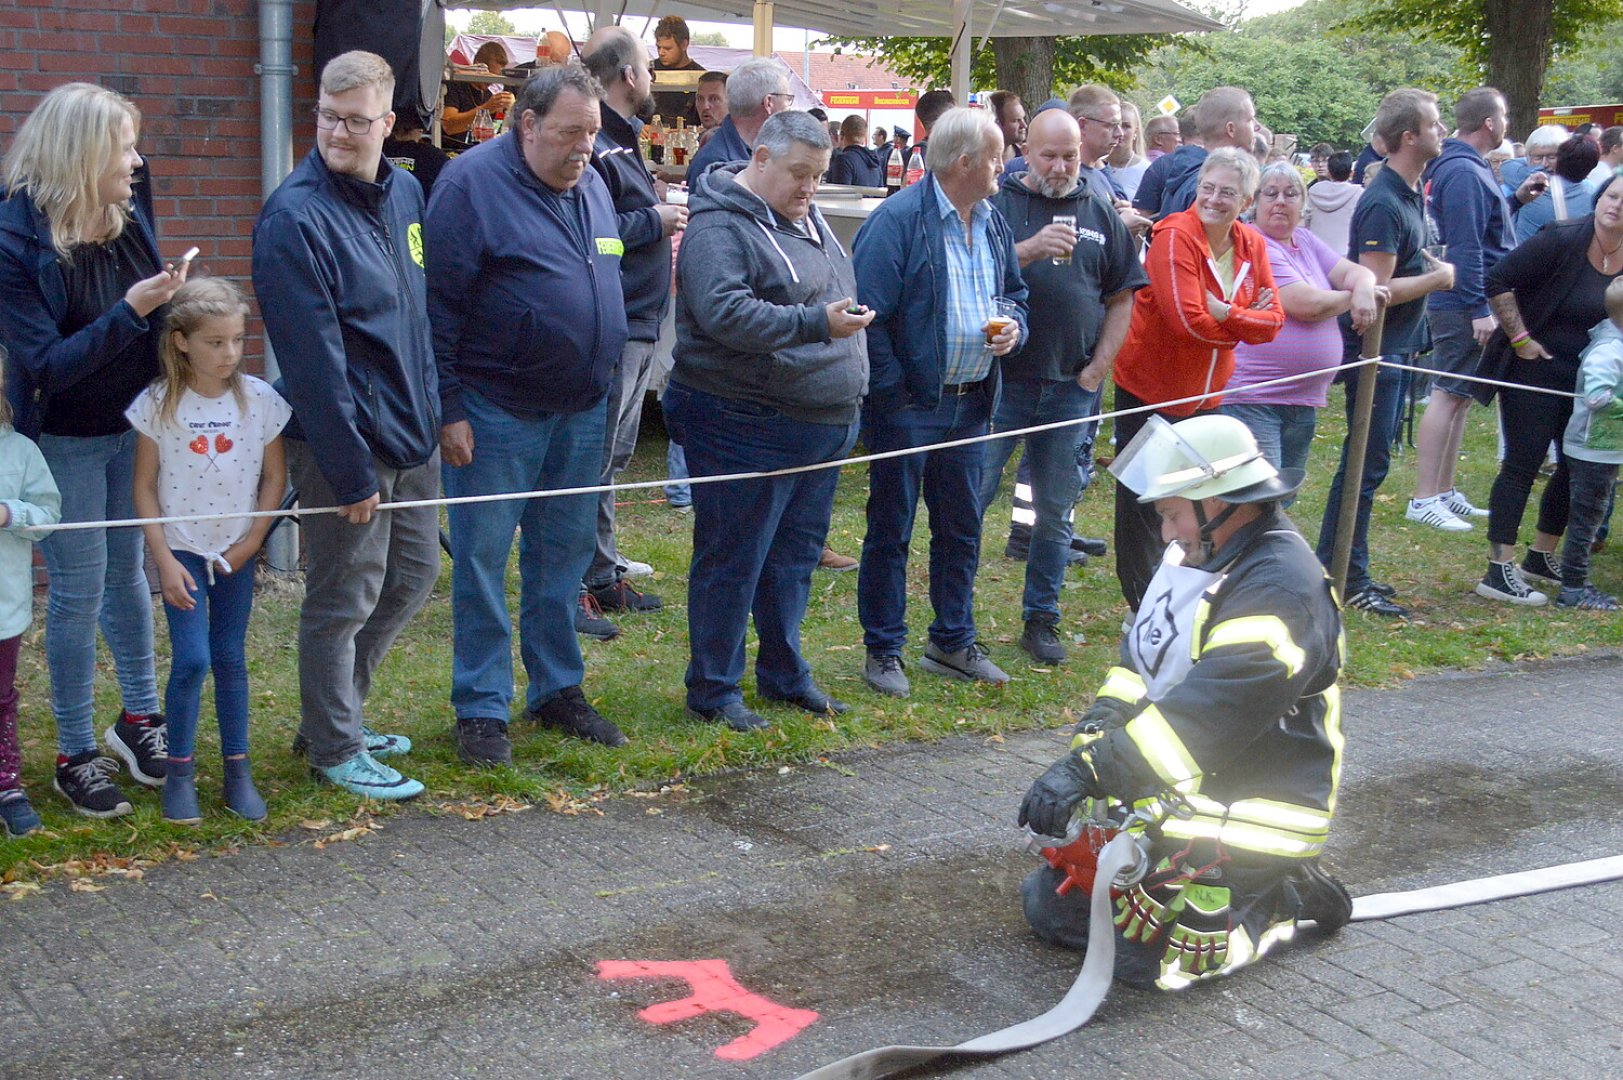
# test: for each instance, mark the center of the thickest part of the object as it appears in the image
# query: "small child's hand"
(178, 586)
(1598, 400)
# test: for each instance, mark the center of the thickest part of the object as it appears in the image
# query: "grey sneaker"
(969, 663)
(885, 674)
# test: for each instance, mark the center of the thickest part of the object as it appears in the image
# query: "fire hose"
(1122, 861)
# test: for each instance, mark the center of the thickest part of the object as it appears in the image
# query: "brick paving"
(885, 900)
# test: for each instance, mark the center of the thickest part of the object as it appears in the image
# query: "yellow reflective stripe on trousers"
(1267, 630)
(1261, 825)
(1123, 685)
(1163, 751)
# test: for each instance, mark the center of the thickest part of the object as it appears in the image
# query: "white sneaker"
(1435, 512)
(1460, 506)
(638, 569)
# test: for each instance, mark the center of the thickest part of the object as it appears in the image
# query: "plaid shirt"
(972, 282)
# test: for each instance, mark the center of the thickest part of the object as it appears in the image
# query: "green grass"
(636, 680)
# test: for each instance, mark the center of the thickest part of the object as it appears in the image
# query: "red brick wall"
(189, 66)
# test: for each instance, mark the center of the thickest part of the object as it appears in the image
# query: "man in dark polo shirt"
(1082, 276)
(1388, 235)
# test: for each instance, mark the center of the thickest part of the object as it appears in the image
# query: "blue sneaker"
(366, 777)
(17, 816)
(377, 743)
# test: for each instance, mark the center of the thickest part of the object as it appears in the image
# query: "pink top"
(1300, 346)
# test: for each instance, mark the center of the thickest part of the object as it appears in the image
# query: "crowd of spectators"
(1040, 256)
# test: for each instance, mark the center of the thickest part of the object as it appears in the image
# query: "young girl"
(28, 497)
(209, 443)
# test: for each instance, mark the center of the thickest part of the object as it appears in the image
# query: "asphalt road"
(880, 896)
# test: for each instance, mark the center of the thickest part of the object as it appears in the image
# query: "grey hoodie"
(750, 318)
(1329, 211)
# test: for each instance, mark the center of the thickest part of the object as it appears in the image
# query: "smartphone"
(186, 259)
(856, 309)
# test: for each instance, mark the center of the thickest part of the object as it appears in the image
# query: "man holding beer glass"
(1081, 266)
(931, 262)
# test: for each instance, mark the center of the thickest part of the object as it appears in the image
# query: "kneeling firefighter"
(1217, 738)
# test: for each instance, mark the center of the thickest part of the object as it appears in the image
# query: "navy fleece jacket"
(523, 285)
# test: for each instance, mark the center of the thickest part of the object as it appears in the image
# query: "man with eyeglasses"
(756, 89)
(338, 270)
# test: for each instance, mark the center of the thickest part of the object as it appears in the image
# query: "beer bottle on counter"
(893, 172)
(915, 169)
(483, 127)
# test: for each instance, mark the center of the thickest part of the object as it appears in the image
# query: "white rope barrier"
(594, 489)
(839, 463)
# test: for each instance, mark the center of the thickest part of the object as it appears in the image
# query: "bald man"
(1082, 275)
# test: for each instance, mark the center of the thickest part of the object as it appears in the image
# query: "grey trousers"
(626, 393)
(362, 585)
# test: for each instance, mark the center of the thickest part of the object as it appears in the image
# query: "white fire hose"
(1086, 994)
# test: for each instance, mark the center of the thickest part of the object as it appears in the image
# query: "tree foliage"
(1508, 43)
(490, 22)
(1110, 59)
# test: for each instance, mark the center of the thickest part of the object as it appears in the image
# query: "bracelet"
(1522, 339)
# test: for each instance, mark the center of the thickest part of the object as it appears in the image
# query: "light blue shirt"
(972, 283)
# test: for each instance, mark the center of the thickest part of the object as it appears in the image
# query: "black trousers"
(1531, 421)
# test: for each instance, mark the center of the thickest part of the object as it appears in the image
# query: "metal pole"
(1352, 478)
(275, 70)
(962, 53)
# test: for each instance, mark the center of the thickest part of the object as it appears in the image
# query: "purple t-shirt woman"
(1301, 346)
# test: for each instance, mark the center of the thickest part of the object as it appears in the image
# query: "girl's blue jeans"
(211, 636)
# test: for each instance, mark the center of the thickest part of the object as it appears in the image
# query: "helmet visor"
(1159, 463)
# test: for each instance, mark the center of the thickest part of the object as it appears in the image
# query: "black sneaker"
(735, 714)
(622, 597)
(1041, 640)
(86, 781)
(1367, 599)
(1381, 587)
(483, 742)
(144, 746)
(589, 620)
(1324, 899)
(1542, 564)
(1090, 546)
(572, 714)
(1504, 581)
(1020, 551)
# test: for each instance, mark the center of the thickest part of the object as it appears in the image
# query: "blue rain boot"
(240, 794)
(180, 793)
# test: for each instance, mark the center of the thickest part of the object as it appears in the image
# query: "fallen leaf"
(85, 885)
(314, 824)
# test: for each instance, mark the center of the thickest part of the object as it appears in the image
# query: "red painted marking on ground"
(715, 990)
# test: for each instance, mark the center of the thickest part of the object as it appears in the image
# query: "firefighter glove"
(1057, 793)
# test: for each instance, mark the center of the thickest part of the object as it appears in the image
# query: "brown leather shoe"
(833, 560)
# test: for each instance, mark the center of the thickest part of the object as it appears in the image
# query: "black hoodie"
(1067, 301)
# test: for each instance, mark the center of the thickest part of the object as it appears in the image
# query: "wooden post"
(1352, 482)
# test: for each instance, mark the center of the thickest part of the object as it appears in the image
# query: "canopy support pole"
(763, 28)
(962, 51)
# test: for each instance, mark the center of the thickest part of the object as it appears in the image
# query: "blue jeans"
(96, 577)
(1391, 386)
(557, 537)
(1284, 432)
(1055, 481)
(950, 481)
(755, 542)
(209, 637)
(676, 468)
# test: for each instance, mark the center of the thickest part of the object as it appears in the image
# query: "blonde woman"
(81, 288)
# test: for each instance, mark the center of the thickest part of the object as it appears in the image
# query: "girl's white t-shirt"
(210, 458)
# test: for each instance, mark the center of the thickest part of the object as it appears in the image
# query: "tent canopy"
(924, 18)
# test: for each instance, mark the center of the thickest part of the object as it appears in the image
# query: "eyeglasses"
(1207, 191)
(791, 97)
(1116, 125)
(1545, 156)
(326, 120)
(1282, 194)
